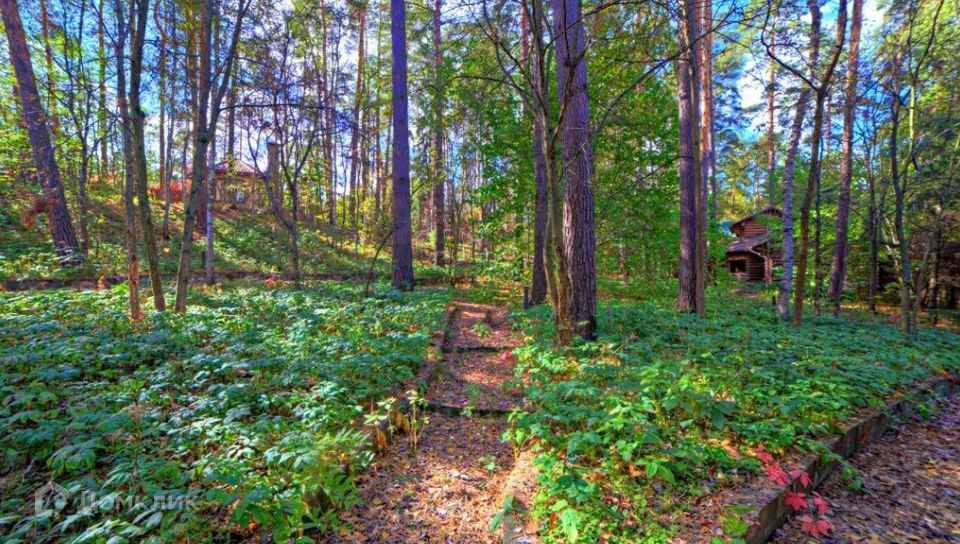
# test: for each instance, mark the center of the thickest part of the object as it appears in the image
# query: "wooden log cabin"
(236, 185)
(753, 257)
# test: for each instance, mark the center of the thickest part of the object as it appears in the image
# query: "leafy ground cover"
(908, 487)
(245, 241)
(245, 414)
(632, 430)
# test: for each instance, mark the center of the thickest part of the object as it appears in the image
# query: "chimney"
(273, 160)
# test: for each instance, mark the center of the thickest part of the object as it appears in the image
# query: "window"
(738, 266)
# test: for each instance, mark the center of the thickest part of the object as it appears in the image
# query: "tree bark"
(695, 41)
(439, 216)
(838, 266)
(102, 124)
(538, 290)
(358, 102)
(813, 181)
(899, 197)
(708, 161)
(140, 10)
(402, 269)
(579, 234)
(44, 159)
(687, 171)
(163, 173)
(327, 96)
(130, 166)
(771, 129)
(789, 165)
(206, 113)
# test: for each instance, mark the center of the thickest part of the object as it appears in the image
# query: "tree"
(139, 14)
(359, 96)
(130, 169)
(439, 215)
(54, 201)
(821, 90)
(402, 271)
(687, 165)
(206, 113)
(771, 129)
(538, 289)
(579, 234)
(838, 265)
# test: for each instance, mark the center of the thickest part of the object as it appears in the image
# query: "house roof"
(240, 168)
(769, 210)
(747, 245)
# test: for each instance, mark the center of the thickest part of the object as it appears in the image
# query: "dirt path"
(911, 488)
(452, 487)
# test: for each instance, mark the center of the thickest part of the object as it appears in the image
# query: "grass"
(664, 408)
(248, 410)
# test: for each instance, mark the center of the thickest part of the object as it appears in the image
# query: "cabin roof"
(747, 245)
(240, 168)
(769, 210)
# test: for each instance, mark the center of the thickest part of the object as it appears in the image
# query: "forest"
(471, 271)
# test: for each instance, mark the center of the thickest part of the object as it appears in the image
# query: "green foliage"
(248, 408)
(665, 406)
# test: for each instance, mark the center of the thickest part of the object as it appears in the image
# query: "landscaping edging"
(41, 284)
(382, 433)
(776, 512)
(521, 485)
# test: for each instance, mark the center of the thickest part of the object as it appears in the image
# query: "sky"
(752, 92)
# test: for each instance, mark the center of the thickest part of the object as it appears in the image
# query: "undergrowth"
(666, 407)
(242, 416)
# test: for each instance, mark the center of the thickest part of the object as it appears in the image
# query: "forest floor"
(908, 488)
(450, 486)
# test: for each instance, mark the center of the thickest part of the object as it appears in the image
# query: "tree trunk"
(538, 290)
(207, 104)
(838, 266)
(771, 129)
(48, 57)
(898, 191)
(130, 166)
(211, 176)
(695, 41)
(439, 217)
(328, 128)
(167, 104)
(163, 174)
(814, 177)
(789, 165)
(873, 231)
(44, 159)
(192, 202)
(138, 28)
(708, 161)
(579, 234)
(358, 102)
(687, 170)
(102, 121)
(402, 271)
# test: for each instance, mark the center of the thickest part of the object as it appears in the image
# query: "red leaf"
(763, 456)
(820, 503)
(777, 474)
(270, 281)
(815, 527)
(802, 474)
(796, 501)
